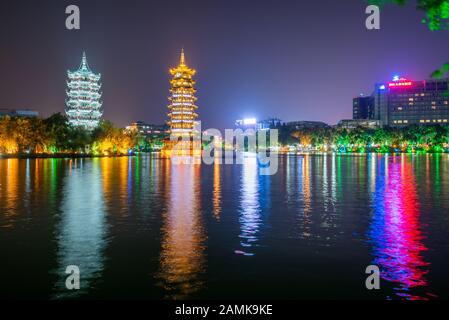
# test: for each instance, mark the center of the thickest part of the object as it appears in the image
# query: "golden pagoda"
(182, 115)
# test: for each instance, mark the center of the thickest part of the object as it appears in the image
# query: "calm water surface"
(142, 227)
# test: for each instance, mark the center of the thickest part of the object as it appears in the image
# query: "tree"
(436, 18)
(58, 131)
(109, 140)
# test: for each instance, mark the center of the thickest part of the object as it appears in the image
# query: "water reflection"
(395, 229)
(249, 210)
(82, 229)
(216, 195)
(9, 190)
(307, 195)
(182, 259)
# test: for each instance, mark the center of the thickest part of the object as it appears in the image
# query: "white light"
(249, 121)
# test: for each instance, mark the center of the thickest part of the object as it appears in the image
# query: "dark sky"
(296, 60)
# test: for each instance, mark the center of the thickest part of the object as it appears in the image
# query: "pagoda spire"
(182, 61)
(84, 65)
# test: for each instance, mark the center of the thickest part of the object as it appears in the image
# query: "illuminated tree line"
(408, 139)
(55, 135)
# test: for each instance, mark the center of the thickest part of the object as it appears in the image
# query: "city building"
(253, 123)
(182, 98)
(83, 105)
(146, 129)
(248, 123)
(151, 136)
(25, 113)
(363, 107)
(299, 125)
(355, 123)
(403, 102)
(270, 123)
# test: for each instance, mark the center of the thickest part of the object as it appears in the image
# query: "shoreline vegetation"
(53, 137)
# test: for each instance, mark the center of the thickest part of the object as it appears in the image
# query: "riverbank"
(298, 153)
(56, 156)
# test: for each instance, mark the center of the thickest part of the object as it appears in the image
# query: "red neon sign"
(400, 83)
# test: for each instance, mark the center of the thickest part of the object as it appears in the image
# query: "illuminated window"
(405, 121)
(445, 120)
(400, 108)
(422, 121)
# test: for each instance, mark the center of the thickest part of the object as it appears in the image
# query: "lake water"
(142, 227)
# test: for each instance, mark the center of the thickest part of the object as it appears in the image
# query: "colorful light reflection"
(395, 230)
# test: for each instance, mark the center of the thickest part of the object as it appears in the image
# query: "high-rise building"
(182, 98)
(83, 105)
(363, 107)
(403, 102)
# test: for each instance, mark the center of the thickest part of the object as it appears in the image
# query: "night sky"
(295, 60)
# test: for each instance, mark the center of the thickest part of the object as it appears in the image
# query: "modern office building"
(248, 123)
(298, 125)
(253, 123)
(362, 123)
(148, 129)
(363, 107)
(25, 113)
(403, 102)
(270, 123)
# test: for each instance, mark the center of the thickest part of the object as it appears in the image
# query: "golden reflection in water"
(325, 185)
(9, 190)
(306, 184)
(124, 176)
(105, 164)
(217, 191)
(182, 259)
(307, 196)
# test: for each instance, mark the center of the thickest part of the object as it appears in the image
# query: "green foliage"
(55, 135)
(433, 138)
(109, 140)
(436, 18)
(436, 11)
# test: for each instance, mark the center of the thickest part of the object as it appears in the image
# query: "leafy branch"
(437, 18)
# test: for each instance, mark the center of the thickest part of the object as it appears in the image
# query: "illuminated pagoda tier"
(182, 100)
(182, 115)
(83, 105)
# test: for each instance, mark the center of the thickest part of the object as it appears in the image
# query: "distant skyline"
(295, 60)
